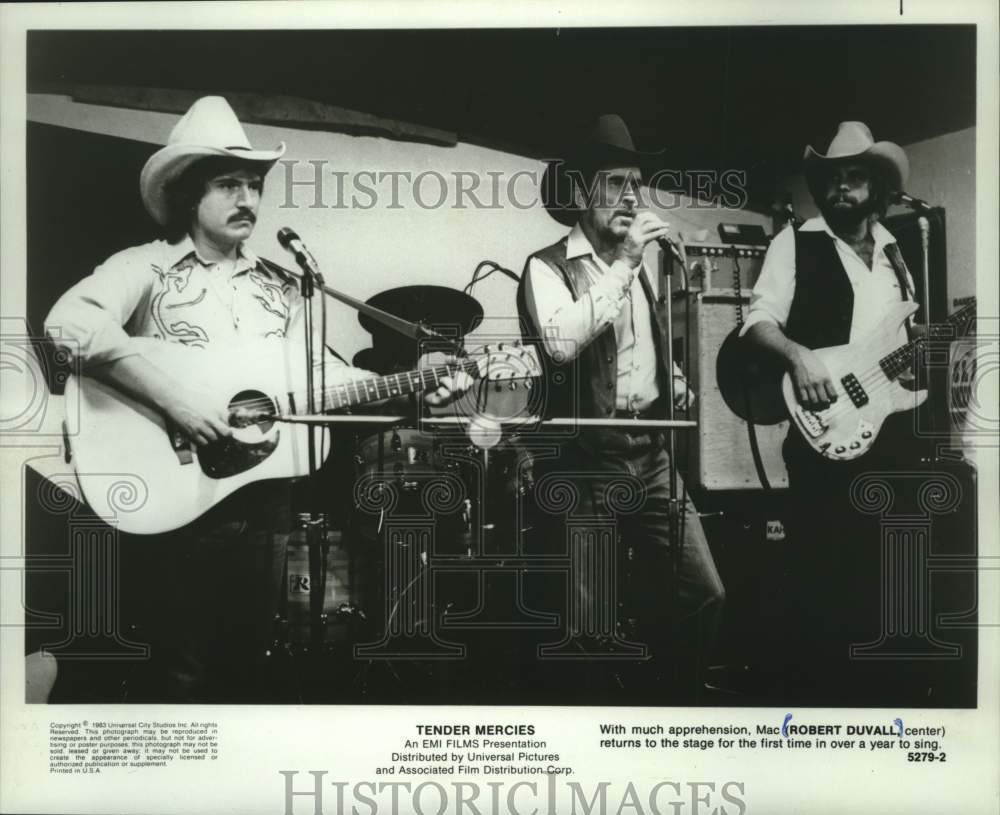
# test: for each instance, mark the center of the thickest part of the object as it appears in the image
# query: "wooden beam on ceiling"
(254, 108)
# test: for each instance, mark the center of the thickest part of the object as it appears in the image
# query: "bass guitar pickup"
(854, 390)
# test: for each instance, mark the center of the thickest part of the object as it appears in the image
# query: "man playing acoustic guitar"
(829, 283)
(211, 587)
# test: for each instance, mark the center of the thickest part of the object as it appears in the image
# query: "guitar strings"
(875, 379)
(263, 403)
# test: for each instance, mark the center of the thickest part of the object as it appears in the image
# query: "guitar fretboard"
(362, 391)
(899, 360)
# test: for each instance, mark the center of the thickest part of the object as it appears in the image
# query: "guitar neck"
(899, 360)
(363, 391)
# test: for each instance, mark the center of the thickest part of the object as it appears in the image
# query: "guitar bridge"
(811, 424)
(179, 444)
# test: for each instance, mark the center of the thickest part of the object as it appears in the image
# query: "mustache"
(243, 215)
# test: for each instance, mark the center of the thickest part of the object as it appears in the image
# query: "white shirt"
(169, 292)
(874, 288)
(615, 297)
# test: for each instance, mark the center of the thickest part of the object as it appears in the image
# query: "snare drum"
(397, 483)
(407, 454)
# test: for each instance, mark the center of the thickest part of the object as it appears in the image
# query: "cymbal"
(372, 360)
(439, 307)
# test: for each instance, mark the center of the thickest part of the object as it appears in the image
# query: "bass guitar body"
(866, 393)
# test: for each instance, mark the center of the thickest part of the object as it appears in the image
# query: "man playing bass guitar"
(828, 283)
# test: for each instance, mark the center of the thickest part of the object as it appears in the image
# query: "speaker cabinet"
(719, 449)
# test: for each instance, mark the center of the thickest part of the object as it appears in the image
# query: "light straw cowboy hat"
(854, 141)
(606, 143)
(209, 128)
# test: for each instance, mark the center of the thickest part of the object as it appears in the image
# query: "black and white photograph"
(422, 384)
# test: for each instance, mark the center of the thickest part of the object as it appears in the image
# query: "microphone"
(669, 245)
(290, 241)
(790, 216)
(900, 197)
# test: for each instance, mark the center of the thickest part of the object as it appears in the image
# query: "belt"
(629, 414)
(639, 431)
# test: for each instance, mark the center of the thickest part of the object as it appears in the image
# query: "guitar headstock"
(509, 362)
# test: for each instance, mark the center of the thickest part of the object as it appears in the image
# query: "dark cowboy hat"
(854, 142)
(607, 143)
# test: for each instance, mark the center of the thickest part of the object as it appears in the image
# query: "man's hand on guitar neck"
(449, 389)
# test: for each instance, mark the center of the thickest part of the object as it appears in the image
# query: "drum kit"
(443, 529)
(428, 487)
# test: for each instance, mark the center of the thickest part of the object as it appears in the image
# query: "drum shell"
(343, 595)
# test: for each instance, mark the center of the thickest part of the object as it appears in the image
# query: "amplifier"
(715, 265)
(719, 449)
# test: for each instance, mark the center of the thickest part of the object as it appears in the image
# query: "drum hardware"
(413, 451)
(312, 575)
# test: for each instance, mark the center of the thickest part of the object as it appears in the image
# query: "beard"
(846, 217)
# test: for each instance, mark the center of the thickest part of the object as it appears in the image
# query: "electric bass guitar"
(866, 376)
(144, 476)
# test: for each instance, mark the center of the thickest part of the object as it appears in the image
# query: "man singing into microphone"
(213, 584)
(823, 284)
(590, 298)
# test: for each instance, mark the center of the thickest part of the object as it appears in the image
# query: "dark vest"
(586, 387)
(823, 304)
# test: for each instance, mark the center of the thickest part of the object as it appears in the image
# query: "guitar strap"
(895, 258)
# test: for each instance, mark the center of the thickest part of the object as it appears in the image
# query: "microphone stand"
(315, 520)
(674, 510)
(413, 330)
(925, 232)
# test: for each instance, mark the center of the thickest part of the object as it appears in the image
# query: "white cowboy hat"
(854, 140)
(209, 128)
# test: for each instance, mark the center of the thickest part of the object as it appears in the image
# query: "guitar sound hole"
(232, 456)
(251, 407)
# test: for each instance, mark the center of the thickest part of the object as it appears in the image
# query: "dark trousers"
(208, 597)
(834, 580)
(622, 480)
